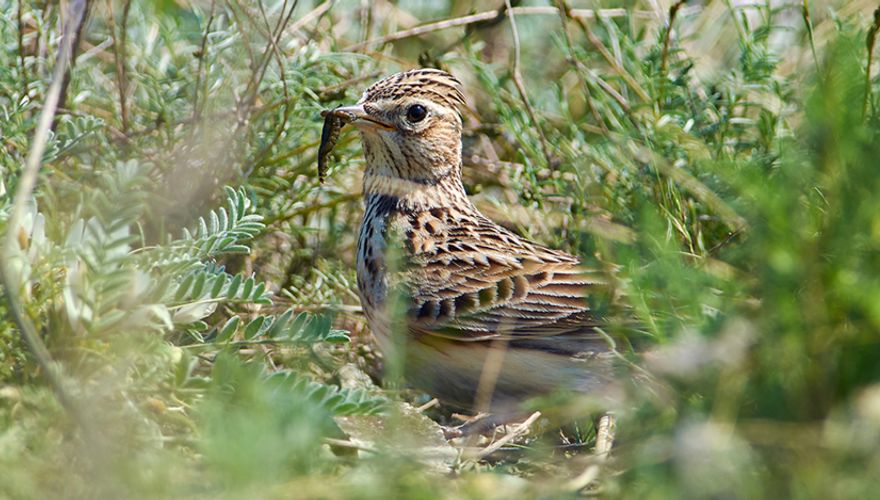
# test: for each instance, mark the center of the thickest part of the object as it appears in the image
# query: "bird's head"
(410, 126)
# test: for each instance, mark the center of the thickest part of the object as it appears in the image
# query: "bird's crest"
(433, 84)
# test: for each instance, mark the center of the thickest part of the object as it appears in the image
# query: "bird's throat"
(416, 194)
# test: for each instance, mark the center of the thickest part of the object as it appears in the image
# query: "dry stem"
(872, 36)
(517, 431)
(26, 183)
(490, 14)
(119, 55)
(664, 60)
(202, 57)
(520, 87)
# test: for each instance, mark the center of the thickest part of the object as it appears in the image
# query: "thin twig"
(12, 252)
(604, 442)
(615, 65)
(727, 239)
(430, 404)
(565, 15)
(279, 29)
(611, 91)
(472, 28)
(366, 16)
(203, 55)
(521, 88)
(341, 443)
(664, 60)
(261, 59)
(330, 92)
(602, 84)
(75, 35)
(742, 32)
(252, 61)
(273, 45)
(245, 104)
(872, 36)
(24, 80)
(219, 115)
(490, 14)
(517, 431)
(124, 44)
(315, 13)
(805, 12)
(311, 208)
(693, 185)
(119, 56)
(274, 37)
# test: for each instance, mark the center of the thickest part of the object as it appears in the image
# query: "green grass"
(209, 339)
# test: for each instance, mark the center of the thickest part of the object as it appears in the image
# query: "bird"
(482, 318)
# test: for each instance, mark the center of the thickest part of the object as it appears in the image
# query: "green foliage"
(218, 236)
(244, 403)
(721, 176)
(798, 334)
(303, 329)
(146, 324)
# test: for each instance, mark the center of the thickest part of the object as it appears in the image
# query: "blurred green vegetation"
(724, 173)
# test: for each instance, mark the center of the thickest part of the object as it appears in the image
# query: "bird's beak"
(358, 116)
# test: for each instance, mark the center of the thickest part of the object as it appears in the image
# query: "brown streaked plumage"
(469, 285)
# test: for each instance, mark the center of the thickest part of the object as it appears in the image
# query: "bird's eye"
(416, 113)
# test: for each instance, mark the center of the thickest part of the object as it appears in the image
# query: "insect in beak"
(334, 119)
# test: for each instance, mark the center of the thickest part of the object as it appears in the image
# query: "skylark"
(488, 314)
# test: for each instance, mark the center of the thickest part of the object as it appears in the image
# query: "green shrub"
(723, 173)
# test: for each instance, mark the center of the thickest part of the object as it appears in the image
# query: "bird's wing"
(487, 283)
